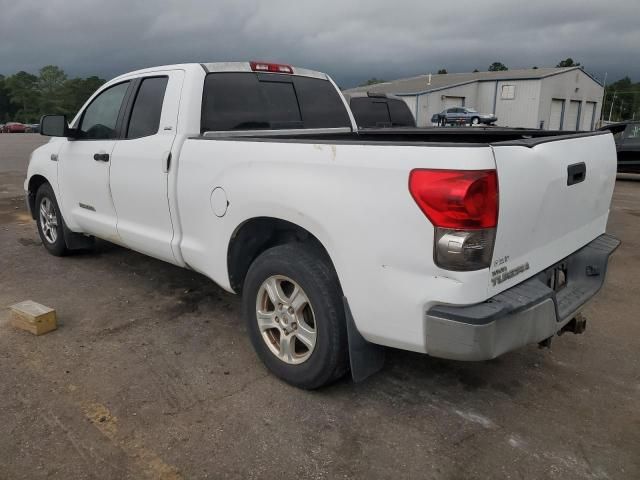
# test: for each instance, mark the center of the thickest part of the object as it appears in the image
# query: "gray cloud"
(351, 40)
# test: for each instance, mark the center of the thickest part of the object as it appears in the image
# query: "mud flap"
(76, 241)
(366, 358)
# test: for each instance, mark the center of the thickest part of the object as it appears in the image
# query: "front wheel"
(292, 305)
(49, 221)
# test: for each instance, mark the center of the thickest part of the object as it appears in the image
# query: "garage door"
(453, 102)
(572, 121)
(588, 117)
(557, 110)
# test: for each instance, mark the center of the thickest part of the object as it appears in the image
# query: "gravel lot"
(151, 375)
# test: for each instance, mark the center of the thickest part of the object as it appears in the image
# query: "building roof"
(424, 84)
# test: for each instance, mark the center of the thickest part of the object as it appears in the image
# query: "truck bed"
(405, 136)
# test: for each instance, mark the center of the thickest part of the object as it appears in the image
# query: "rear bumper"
(527, 313)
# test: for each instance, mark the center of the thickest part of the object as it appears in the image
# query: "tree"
(568, 62)
(625, 97)
(371, 81)
(442, 71)
(76, 91)
(25, 97)
(475, 70)
(497, 67)
(23, 92)
(50, 82)
(5, 103)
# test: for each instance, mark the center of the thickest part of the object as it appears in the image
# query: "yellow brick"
(33, 317)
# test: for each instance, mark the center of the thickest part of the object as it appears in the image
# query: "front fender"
(42, 169)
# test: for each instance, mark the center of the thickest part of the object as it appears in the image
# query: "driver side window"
(99, 119)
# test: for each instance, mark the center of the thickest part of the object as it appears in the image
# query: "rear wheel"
(475, 121)
(292, 304)
(49, 221)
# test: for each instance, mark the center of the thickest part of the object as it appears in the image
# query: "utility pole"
(612, 101)
(604, 97)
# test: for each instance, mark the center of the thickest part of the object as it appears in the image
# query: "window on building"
(508, 92)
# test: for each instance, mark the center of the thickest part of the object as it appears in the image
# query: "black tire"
(475, 121)
(306, 266)
(58, 247)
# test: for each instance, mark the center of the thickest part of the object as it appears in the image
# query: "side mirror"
(55, 126)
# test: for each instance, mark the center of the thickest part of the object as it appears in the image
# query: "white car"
(459, 243)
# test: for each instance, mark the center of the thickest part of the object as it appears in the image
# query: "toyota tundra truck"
(457, 243)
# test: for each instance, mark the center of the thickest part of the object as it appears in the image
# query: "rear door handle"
(576, 173)
(101, 157)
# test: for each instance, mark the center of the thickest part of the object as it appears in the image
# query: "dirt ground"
(151, 375)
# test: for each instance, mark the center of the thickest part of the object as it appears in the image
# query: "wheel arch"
(35, 182)
(257, 234)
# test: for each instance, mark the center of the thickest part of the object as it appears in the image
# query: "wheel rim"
(475, 121)
(286, 320)
(48, 220)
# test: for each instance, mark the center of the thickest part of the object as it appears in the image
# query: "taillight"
(270, 67)
(462, 205)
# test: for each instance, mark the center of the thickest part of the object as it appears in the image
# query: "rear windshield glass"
(401, 116)
(381, 112)
(250, 101)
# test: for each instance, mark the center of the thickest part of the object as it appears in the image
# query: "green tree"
(371, 81)
(5, 103)
(497, 67)
(475, 70)
(76, 91)
(50, 82)
(568, 62)
(625, 97)
(442, 71)
(24, 94)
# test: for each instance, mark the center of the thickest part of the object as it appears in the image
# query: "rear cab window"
(255, 101)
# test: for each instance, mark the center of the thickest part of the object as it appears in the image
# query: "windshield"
(381, 112)
(472, 110)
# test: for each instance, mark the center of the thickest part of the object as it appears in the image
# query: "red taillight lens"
(457, 199)
(270, 67)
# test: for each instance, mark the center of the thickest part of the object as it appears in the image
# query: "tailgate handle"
(576, 173)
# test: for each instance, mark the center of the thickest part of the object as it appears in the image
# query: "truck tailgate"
(547, 210)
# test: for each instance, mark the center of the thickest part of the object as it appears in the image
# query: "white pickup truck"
(458, 243)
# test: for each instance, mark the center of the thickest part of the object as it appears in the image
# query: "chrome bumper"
(527, 313)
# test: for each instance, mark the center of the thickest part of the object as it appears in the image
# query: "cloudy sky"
(351, 40)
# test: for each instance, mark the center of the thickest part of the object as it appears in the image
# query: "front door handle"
(101, 157)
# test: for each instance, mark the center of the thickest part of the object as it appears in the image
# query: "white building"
(550, 98)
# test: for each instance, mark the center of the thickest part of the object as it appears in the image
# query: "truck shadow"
(411, 377)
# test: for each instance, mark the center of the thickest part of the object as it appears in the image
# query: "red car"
(14, 127)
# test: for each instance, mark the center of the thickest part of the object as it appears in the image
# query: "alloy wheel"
(286, 320)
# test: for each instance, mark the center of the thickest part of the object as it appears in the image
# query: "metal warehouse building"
(550, 98)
